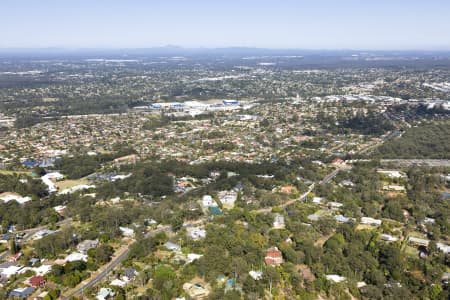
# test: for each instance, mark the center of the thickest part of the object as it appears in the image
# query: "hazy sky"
(313, 24)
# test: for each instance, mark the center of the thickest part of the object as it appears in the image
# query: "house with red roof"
(37, 281)
(274, 257)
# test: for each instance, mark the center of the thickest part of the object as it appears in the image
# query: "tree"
(103, 254)
(13, 248)
(272, 277)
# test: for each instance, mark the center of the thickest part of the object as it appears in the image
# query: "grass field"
(5, 172)
(67, 184)
(411, 251)
(365, 227)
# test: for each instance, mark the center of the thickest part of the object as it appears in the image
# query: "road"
(110, 266)
(30, 232)
(301, 198)
(330, 176)
(4, 254)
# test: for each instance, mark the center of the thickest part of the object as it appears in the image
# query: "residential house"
(127, 231)
(196, 233)
(37, 281)
(418, 241)
(392, 173)
(335, 278)
(33, 261)
(342, 219)
(129, 274)
(334, 205)
(338, 162)
(126, 160)
(42, 269)
(388, 238)
(273, 257)
(60, 209)
(86, 245)
(227, 198)
(192, 256)
(118, 282)
(256, 275)
(347, 183)
(9, 269)
(21, 293)
(370, 221)
(444, 248)
(6, 197)
(105, 293)
(278, 222)
(207, 202)
(317, 200)
(394, 188)
(75, 256)
(196, 289)
(172, 247)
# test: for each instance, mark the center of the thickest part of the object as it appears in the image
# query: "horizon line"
(177, 47)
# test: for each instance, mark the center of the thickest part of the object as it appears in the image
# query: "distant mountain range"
(172, 50)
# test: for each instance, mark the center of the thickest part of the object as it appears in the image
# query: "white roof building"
(395, 188)
(418, 241)
(10, 271)
(196, 233)
(118, 282)
(317, 200)
(42, 270)
(104, 294)
(370, 221)
(76, 256)
(444, 248)
(335, 204)
(392, 173)
(193, 256)
(126, 231)
(208, 201)
(278, 222)
(256, 275)
(335, 278)
(388, 238)
(228, 198)
(15, 197)
(76, 188)
(49, 180)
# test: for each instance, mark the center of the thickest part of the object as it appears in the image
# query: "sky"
(300, 24)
